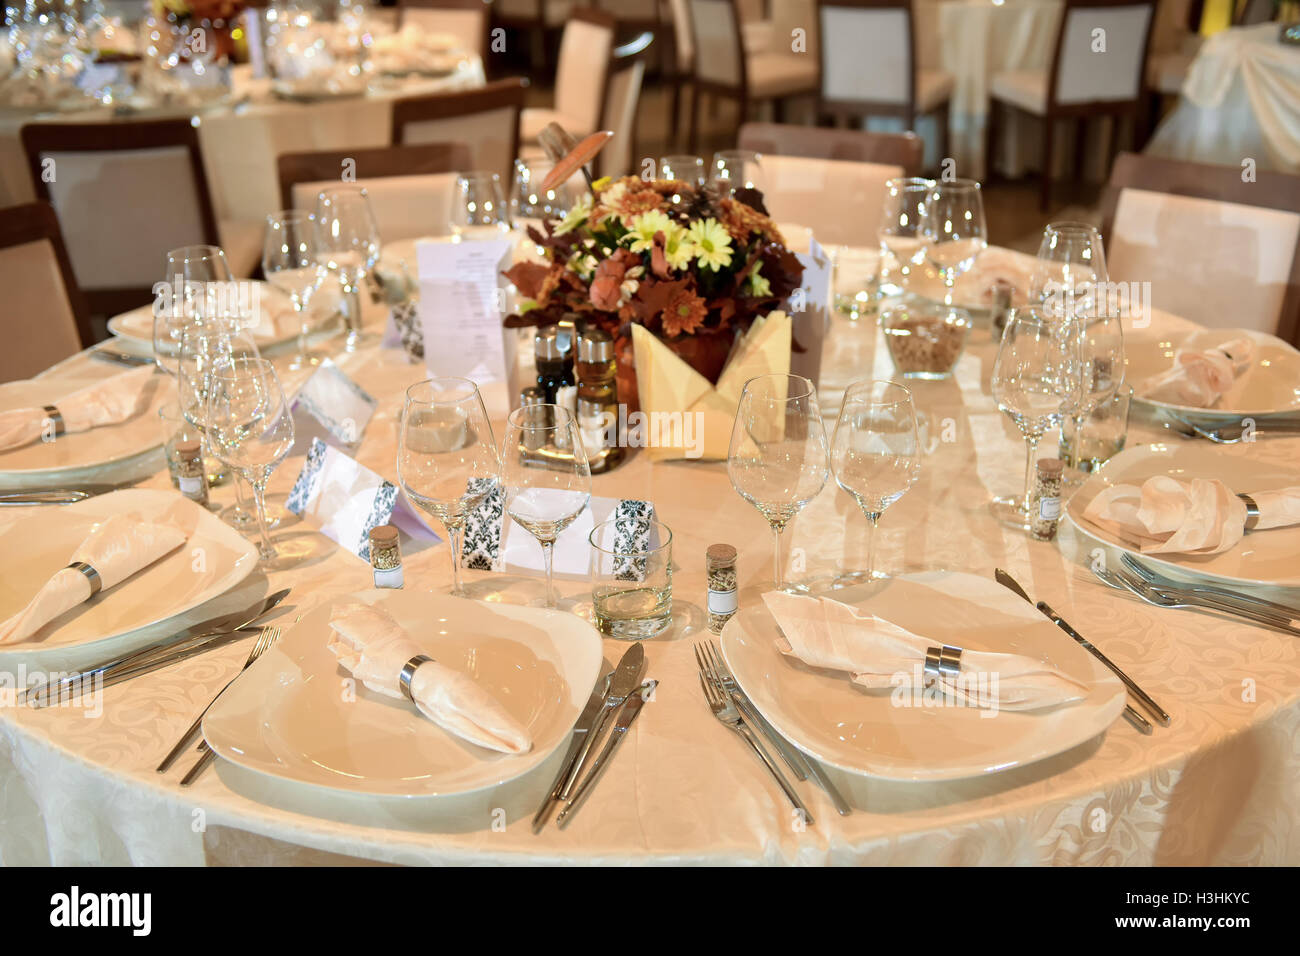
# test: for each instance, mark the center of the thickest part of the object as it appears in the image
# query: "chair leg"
(694, 137)
(1049, 157)
(778, 110)
(991, 139)
(674, 110)
(1081, 148)
(942, 119)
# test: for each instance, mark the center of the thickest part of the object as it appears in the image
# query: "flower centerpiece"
(208, 25)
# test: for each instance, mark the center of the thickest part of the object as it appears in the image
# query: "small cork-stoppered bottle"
(1045, 499)
(720, 562)
(386, 556)
(191, 476)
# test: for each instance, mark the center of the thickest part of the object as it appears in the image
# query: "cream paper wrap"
(104, 403)
(667, 385)
(374, 648)
(117, 549)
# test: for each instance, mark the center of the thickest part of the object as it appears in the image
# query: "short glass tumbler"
(1104, 434)
(631, 582)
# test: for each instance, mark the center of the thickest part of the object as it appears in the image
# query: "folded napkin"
(1199, 378)
(825, 633)
(104, 403)
(117, 549)
(374, 648)
(1201, 516)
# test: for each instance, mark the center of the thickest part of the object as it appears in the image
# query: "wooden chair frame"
(499, 94)
(37, 221)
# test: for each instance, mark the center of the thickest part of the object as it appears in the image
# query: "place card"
(346, 500)
(810, 322)
(331, 407)
(462, 293)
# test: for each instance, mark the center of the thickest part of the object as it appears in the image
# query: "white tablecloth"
(1241, 100)
(1218, 787)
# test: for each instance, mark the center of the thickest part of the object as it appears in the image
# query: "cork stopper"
(721, 554)
(188, 449)
(1050, 467)
(383, 536)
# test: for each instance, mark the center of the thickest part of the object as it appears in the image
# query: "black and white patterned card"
(332, 407)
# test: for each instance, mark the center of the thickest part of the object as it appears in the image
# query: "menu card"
(462, 294)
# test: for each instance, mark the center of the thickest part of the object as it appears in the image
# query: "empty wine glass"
(954, 229)
(1070, 270)
(875, 453)
(682, 168)
(545, 474)
(250, 427)
(734, 169)
(902, 243)
(527, 198)
(478, 210)
(347, 244)
(1099, 372)
(191, 271)
(1034, 382)
(447, 458)
(290, 263)
(777, 458)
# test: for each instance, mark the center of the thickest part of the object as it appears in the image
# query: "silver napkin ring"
(96, 584)
(1252, 513)
(408, 672)
(54, 415)
(943, 661)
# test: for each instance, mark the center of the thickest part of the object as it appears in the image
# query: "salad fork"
(1164, 597)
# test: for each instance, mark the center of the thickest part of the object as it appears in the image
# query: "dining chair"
(868, 66)
(467, 20)
(581, 78)
(45, 317)
(535, 20)
(141, 181)
(1082, 81)
(904, 150)
(1252, 12)
(485, 119)
(1174, 45)
(726, 66)
(1215, 249)
(839, 200)
(410, 187)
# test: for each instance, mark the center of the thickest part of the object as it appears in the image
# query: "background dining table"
(1215, 787)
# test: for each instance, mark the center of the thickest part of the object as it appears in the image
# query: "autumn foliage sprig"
(674, 258)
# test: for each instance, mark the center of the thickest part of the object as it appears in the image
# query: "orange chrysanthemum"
(684, 313)
(741, 221)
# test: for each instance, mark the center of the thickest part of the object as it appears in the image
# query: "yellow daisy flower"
(710, 243)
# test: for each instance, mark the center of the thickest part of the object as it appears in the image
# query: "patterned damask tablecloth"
(1220, 786)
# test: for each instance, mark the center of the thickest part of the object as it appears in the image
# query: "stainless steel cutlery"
(1230, 433)
(626, 716)
(54, 496)
(626, 680)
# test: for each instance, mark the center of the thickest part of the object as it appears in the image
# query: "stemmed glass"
(1070, 269)
(901, 238)
(682, 168)
(954, 229)
(190, 272)
(347, 244)
(777, 458)
(528, 200)
(290, 263)
(250, 427)
(737, 169)
(875, 453)
(1034, 382)
(447, 459)
(545, 475)
(478, 210)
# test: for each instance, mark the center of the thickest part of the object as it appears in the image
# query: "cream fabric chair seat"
(405, 207)
(933, 89)
(839, 201)
(242, 241)
(1024, 89)
(535, 119)
(780, 74)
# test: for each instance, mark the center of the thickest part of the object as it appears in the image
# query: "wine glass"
(1070, 270)
(290, 263)
(954, 229)
(777, 458)
(250, 428)
(901, 240)
(477, 208)
(527, 198)
(682, 168)
(734, 169)
(347, 244)
(1099, 373)
(1034, 382)
(545, 475)
(447, 459)
(875, 453)
(190, 272)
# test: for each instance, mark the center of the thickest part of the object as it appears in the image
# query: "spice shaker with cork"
(386, 556)
(720, 565)
(1045, 499)
(191, 476)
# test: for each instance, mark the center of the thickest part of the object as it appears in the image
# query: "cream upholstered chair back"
(683, 34)
(405, 207)
(840, 201)
(1103, 49)
(467, 20)
(866, 52)
(583, 70)
(44, 318)
(486, 120)
(716, 34)
(617, 158)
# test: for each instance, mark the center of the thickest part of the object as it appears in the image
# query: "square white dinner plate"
(1269, 557)
(292, 715)
(1270, 386)
(866, 732)
(74, 455)
(37, 542)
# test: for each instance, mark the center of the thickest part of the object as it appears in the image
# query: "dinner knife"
(55, 496)
(627, 678)
(626, 716)
(121, 358)
(1007, 581)
(203, 636)
(594, 703)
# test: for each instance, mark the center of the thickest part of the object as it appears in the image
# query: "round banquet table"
(1219, 786)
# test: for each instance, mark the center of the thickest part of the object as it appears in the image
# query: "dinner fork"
(720, 703)
(264, 641)
(1248, 601)
(1164, 597)
(1232, 434)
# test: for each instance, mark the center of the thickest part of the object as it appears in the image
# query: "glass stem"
(259, 497)
(778, 572)
(548, 547)
(454, 536)
(872, 520)
(1031, 457)
(352, 312)
(241, 500)
(301, 311)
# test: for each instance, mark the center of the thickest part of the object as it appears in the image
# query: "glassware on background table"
(447, 460)
(1101, 436)
(777, 460)
(855, 280)
(1033, 383)
(528, 201)
(249, 425)
(478, 209)
(954, 229)
(737, 169)
(925, 338)
(290, 263)
(683, 168)
(875, 453)
(902, 243)
(545, 474)
(631, 587)
(1070, 265)
(347, 244)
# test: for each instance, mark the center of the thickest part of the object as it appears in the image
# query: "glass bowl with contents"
(925, 339)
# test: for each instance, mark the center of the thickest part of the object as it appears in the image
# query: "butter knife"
(580, 729)
(627, 679)
(626, 715)
(1007, 581)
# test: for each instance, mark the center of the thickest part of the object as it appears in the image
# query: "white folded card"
(461, 303)
(810, 314)
(332, 407)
